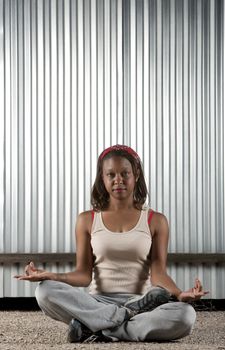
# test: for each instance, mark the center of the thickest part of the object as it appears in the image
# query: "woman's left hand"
(193, 294)
(33, 274)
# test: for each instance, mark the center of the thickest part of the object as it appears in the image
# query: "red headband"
(120, 148)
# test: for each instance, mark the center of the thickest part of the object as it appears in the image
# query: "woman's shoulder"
(158, 215)
(158, 219)
(85, 219)
(84, 215)
(152, 211)
(88, 214)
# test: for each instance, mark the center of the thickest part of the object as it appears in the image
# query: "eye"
(110, 175)
(125, 173)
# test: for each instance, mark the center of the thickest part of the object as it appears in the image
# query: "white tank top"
(122, 260)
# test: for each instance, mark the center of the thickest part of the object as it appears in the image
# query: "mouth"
(120, 189)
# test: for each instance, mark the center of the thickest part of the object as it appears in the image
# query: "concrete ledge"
(64, 258)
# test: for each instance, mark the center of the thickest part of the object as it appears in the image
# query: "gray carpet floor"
(32, 330)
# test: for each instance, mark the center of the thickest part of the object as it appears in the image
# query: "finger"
(190, 296)
(197, 291)
(197, 282)
(29, 268)
(206, 292)
(198, 285)
(20, 277)
(25, 278)
(201, 294)
(32, 265)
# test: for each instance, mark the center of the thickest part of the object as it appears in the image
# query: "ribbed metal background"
(78, 76)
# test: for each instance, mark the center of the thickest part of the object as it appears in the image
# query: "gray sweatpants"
(106, 312)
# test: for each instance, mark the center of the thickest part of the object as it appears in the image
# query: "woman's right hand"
(32, 274)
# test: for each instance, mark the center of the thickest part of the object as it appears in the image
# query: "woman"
(121, 256)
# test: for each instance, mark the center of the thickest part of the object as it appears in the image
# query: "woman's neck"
(120, 205)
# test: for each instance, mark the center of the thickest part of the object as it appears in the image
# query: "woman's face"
(118, 177)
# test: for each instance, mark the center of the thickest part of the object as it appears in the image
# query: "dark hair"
(99, 195)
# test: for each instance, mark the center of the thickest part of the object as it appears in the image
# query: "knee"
(188, 318)
(43, 291)
(181, 319)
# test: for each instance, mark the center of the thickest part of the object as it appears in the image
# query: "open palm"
(32, 274)
(194, 293)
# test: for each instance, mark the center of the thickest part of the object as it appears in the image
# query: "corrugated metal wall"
(77, 76)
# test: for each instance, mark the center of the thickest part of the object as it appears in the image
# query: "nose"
(118, 179)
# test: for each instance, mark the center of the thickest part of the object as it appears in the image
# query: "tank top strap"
(143, 221)
(150, 215)
(96, 222)
(92, 215)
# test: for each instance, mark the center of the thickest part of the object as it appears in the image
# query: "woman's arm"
(82, 275)
(160, 237)
(159, 277)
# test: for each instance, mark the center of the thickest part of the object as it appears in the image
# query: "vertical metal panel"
(77, 76)
(2, 136)
(2, 128)
(62, 102)
(183, 99)
(185, 106)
